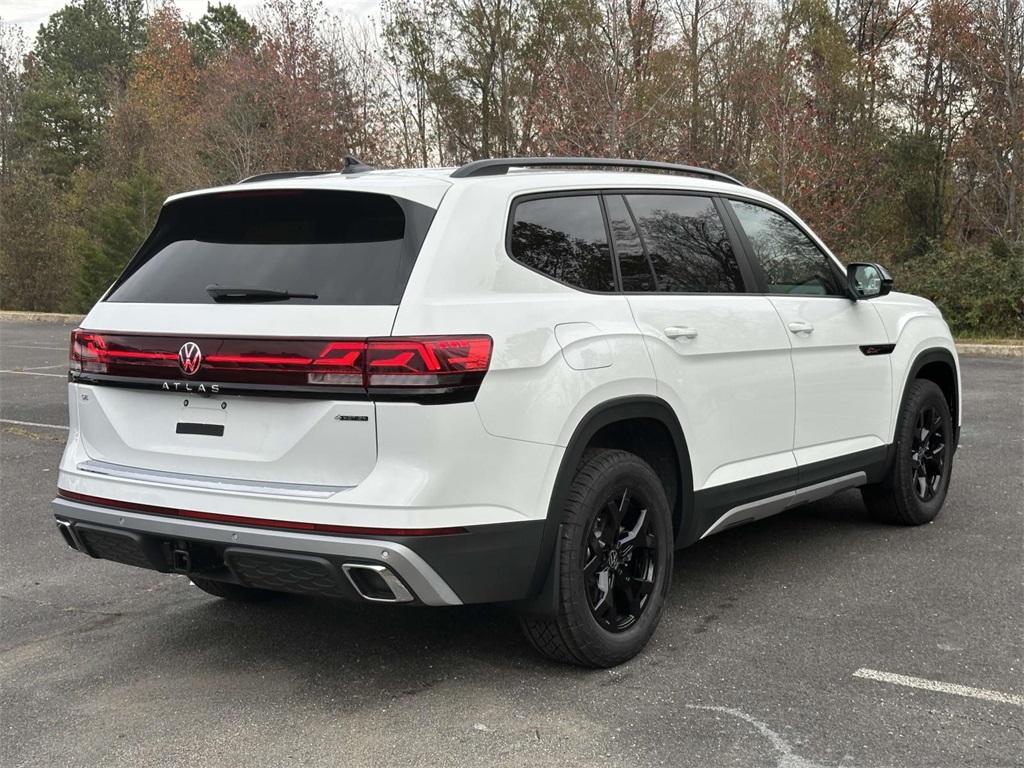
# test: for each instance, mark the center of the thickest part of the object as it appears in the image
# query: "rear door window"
(634, 266)
(343, 247)
(686, 244)
(565, 239)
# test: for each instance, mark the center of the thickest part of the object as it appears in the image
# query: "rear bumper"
(488, 563)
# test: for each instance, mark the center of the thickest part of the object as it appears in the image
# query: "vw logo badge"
(189, 357)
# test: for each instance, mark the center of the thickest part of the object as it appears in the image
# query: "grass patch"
(1011, 340)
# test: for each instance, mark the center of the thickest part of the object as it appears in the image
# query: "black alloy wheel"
(612, 566)
(620, 561)
(915, 484)
(928, 453)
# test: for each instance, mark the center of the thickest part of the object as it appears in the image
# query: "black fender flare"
(545, 579)
(936, 355)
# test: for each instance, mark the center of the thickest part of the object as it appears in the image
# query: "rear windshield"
(342, 247)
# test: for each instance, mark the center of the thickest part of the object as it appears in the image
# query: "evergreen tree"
(35, 239)
(82, 58)
(113, 231)
(221, 29)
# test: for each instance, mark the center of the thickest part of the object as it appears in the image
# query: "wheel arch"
(607, 421)
(937, 364)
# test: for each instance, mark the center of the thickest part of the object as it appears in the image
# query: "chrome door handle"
(799, 327)
(676, 332)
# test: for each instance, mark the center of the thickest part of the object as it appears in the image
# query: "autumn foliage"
(895, 127)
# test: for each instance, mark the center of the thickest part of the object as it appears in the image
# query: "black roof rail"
(350, 164)
(498, 166)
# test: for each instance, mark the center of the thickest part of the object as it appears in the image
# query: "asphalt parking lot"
(754, 663)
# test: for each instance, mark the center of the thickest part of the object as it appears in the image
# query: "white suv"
(526, 380)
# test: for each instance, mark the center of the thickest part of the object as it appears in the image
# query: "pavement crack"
(18, 653)
(32, 434)
(64, 608)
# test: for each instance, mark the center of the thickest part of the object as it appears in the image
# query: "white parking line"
(32, 346)
(935, 685)
(37, 373)
(32, 424)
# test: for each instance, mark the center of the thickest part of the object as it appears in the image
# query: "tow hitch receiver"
(181, 560)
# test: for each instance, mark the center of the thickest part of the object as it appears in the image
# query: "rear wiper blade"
(232, 293)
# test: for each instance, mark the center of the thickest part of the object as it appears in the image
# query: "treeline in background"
(895, 127)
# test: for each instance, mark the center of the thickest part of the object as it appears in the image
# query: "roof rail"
(498, 166)
(350, 164)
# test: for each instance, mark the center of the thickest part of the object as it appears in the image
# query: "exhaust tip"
(68, 535)
(376, 583)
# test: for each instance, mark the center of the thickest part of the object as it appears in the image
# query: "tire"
(604, 620)
(234, 592)
(915, 486)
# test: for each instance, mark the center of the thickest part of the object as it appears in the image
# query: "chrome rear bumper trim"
(210, 483)
(423, 580)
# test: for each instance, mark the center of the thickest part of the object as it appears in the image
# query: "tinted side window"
(790, 260)
(687, 244)
(634, 266)
(564, 238)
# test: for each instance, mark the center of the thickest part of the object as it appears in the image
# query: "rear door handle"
(676, 332)
(800, 327)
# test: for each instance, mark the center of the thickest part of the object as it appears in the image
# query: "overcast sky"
(29, 14)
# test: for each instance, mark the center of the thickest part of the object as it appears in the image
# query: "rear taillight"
(85, 349)
(391, 365)
(438, 361)
(90, 354)
(340, 363)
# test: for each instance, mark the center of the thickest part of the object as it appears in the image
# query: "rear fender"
(546, 582)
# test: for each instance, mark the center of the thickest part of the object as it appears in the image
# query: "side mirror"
(868, 281)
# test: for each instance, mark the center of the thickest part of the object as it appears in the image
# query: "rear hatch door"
(222, 350)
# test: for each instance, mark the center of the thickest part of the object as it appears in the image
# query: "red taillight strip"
(440, 363)
(255, 522)
(259, 360)
(128, 355)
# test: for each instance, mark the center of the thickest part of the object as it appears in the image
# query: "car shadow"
(397, 651)
(798, 535)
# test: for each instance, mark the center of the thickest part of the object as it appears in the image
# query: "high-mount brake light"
(386, 366)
